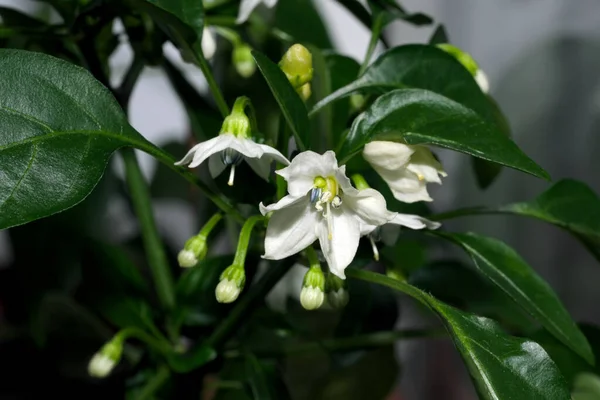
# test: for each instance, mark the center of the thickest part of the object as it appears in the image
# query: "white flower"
(227, 291)
(482, 81)
(100, 365)
(323, 205)
(247, 6)
(338, 298)
(228, 149)
(311, 297)
(209, 44)
(406, 169)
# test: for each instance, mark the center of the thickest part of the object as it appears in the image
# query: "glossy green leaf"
(423, 117)
(569, 204)
(417, 66)
(60, 128)
(342, 71)
(290, 103)
(507, 270)
(493, 358)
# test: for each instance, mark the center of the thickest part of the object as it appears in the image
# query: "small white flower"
(187, 259)
(406, 169)
(229, 150)
(482, 80)
(323, 205)
(209, 44)
(100, 365)
(227, 291)
(247, 6)
(311, 297)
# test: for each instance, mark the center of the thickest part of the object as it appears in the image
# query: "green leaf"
(507, 270)
(439, 35)
(417, 66)
(569, 204)
(181, 20)
(264, 379)
(342, 71)
(501, 366)
(290, 103)
(423, 117)
(391, 11)
(587, 387)
(486, 172)
(61, 127)
(187, 362)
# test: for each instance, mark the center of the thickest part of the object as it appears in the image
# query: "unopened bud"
(338, 298)
(194, 250)
(296, 63)
(209, 45)
(313, 289)
(243, 60)
(105, 360)
(231, 284)
(304, 91)
(357, 101)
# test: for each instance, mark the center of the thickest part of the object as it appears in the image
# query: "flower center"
(324, 195)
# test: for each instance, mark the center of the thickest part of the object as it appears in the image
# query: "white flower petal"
(425, 165)
(305, 167)
(287, 201)
(341, 249)
(262, 166)
(387, 155)
(246, 8)
(405, 185)
(215, 165)
(202, 151)
(344, 182)
(247, 147)
(274, 154)
(291, 229)
(369, 205)
(414, 221)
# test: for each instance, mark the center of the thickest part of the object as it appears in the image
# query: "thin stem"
(313, 259)
(212, 84)
(123, 93)
(375, 32)
(161, 345)
(157, 259)
(209, 5)
(360, 342)
(463, 212)
(242, 310)
(359, 181)
(240, 106)
(155, 383)
(210, 225)
(244, 240)
(230, 35)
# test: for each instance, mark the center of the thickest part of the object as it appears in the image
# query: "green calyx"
(236, 274)
(296, 64)
(113, 349)
(243, 60)
(334, 283)
(314, 278)
(238, 123)
(463, 57)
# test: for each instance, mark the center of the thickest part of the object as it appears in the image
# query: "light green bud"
(232, 282)
(296, 63)
(195, 249)
(105, 360)
(243, 60)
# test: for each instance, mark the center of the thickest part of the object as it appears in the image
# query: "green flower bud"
(195, 249)
(232, 282)
(243, 60)
(105, 360)
(338, 299)
(304, 91)
(296, 63)
(312, 295)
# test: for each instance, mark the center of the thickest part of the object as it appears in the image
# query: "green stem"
(244, 240)
(359, 181)
(212, 84)
(123, 93)
(161, 345)
(157, 258)
(375, 32)
(214, 4)
(313, 259)
(210, 225)
(155, 383)
(240, 106)
(230, 35)
(463, 212)
(360, 342)
(243, 307)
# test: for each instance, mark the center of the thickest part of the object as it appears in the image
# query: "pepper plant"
(297, 158)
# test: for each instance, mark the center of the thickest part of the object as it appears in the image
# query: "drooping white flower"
(323, 205)
(406, 169)
(233, 145)
(247, 6)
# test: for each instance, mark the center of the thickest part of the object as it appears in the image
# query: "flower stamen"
(374, 247)
(231, 175)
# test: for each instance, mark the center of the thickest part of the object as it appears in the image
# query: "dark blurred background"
(543, 62)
